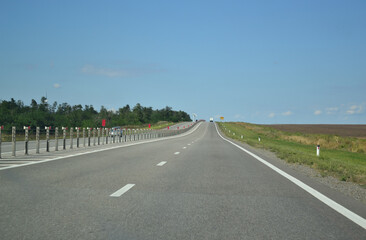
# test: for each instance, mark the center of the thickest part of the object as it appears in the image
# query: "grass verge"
(340, 163)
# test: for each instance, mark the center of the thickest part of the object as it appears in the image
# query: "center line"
(176, 153)
(122, 190)
(161, 164)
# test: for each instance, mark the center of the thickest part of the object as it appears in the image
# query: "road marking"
(332, 204)
(102, 150)
(122, 190)
(161, 164)
(184, 147)
(189, 144)
(176, 153)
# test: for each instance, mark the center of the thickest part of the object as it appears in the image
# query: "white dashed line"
(161, 164)
(99, 150)
(122, 190)
(189, 144)
(184, 147)
(176, 153)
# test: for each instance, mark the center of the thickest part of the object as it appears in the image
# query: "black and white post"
(47, 138)
(26, 129)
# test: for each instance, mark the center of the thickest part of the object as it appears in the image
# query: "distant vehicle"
(211, 119)
(115, 131)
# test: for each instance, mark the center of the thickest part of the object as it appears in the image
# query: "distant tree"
(15, 113)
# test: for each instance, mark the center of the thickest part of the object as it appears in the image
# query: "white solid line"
(122, 190)
(102, 150)
(176, 153)
(332, 204)
(161, 164)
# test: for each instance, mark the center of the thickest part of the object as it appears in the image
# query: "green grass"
(340, 163)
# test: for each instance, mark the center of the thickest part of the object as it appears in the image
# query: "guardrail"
(37, 140)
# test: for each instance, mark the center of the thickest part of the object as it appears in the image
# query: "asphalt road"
(195, 186)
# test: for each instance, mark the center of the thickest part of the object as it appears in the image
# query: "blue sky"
(253, 61)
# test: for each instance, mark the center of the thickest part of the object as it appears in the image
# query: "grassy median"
(340, 157)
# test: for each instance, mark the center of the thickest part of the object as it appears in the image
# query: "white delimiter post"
(318, 150)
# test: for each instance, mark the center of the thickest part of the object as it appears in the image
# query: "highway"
(191, 186)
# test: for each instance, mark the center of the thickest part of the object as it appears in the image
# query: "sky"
(267, 62)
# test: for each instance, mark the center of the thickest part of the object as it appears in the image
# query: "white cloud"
(331, 110)
(90, 69)
(288, 113)
(56, 85)
(317, 112)
(271, 115)
(355, 109)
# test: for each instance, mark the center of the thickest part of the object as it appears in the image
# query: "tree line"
(15, 113)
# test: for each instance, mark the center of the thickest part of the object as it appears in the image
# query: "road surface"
(194, 186)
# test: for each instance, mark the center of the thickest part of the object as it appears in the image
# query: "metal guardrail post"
(37, 139)
(13, 140)
(26, 140)
(56, 139)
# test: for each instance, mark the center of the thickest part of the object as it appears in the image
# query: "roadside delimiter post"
(94, 136)
(1, 128)
(84, 137)
(106, 136)
(71, 138)
(77, 137)
(64, 137)
(37, 139)
(318, 150)
(13, 136)
(56, 139)
(26, 140)
(88, 137)
(47, 138)
(98, 136)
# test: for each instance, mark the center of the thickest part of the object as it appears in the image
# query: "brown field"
(358, 131)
